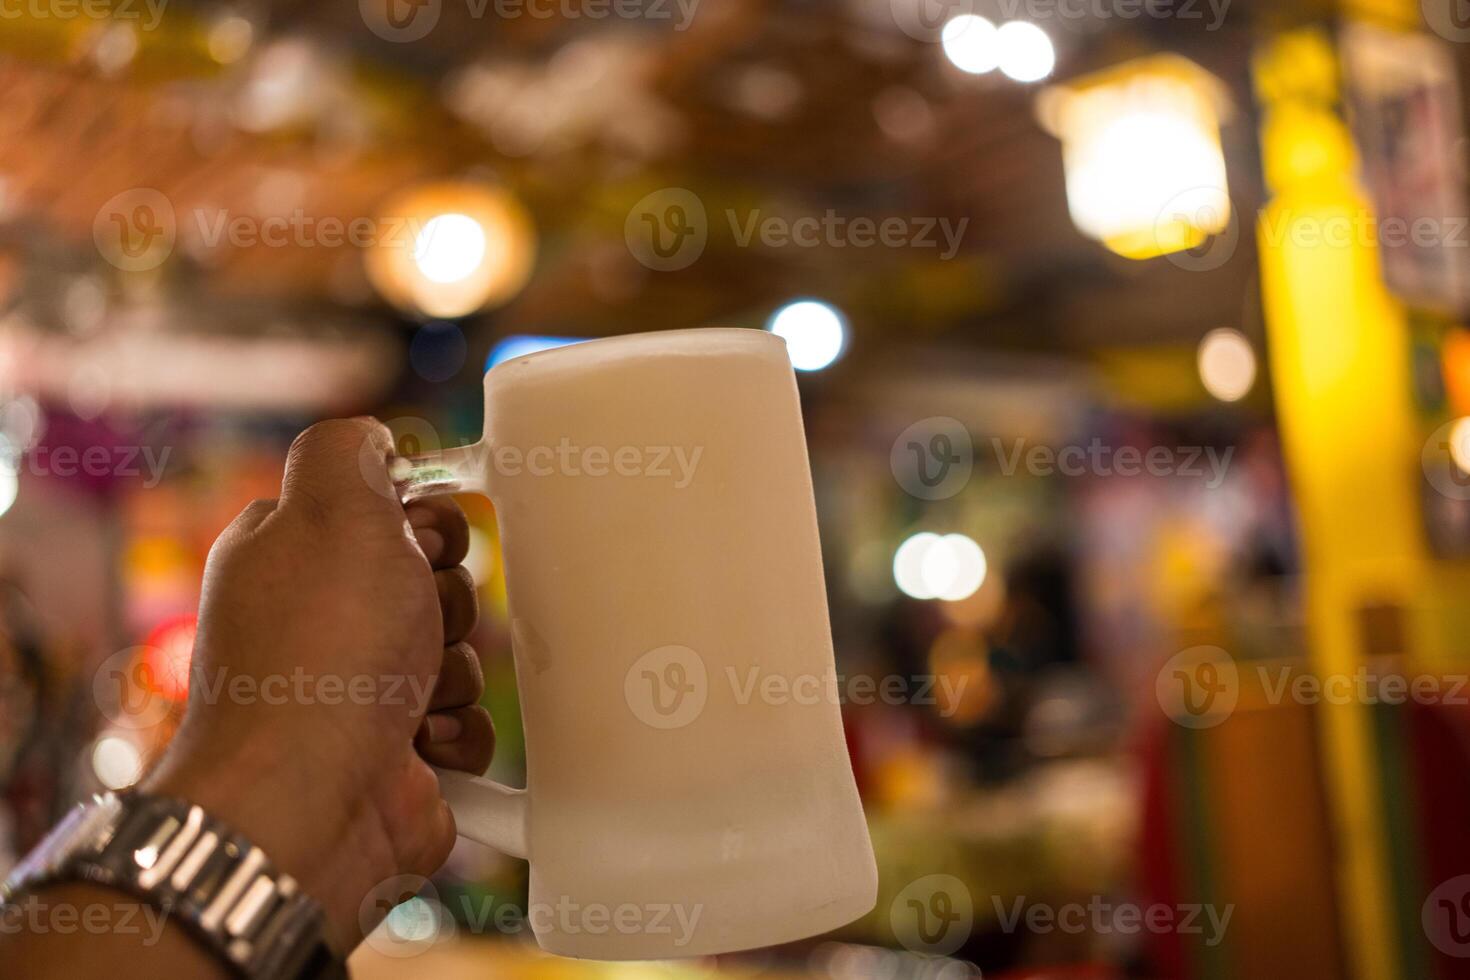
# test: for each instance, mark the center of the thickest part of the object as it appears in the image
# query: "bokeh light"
(971, 43)
(931, 566)
(1227, 364)
(1141, 148)
(168, 654)
(1460, 443)
(518, 345)
(1025, 51)
(116, 762)
(447, 250)
(230, 39)
(10, 459)
(438, 350)
(815, 333)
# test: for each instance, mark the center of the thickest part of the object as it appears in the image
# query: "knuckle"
(332, 432)
(481, 728)
(472, 667)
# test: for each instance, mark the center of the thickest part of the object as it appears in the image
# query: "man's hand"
(346, 611)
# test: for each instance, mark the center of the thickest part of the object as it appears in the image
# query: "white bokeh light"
(449, 248)
(908, 565)
(815, 333)
(1025, 51)
(971, 43)
(116, 761)
(1227, 364)
(9, 474)
(930, 566)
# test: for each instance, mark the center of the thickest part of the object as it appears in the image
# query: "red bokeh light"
(170, 649)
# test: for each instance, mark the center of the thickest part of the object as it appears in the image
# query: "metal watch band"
(173, 855)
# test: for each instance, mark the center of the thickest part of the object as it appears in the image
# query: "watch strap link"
(219, 886)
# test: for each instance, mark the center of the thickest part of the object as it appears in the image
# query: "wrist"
(303, 829)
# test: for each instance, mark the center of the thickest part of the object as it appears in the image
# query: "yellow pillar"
(1339, 355)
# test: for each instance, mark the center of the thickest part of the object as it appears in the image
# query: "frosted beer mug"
(662, 565)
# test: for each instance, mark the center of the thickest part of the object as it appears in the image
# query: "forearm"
(83, 930)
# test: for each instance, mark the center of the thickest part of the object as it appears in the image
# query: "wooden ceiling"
(759, 107)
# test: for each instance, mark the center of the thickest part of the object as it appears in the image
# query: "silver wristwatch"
(174, 856)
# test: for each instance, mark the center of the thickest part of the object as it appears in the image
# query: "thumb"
(341, 467)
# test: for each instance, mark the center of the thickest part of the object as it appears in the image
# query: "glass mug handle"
(446, 471)
(484, 810)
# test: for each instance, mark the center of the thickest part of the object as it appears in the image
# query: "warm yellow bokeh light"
(1141, 148)
(447, 250)
(1460, 444)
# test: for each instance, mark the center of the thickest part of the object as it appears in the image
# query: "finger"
(339, 469)
(430, 832)
(458, 602)
(441, 529)
(460, 738)
(460, 681)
